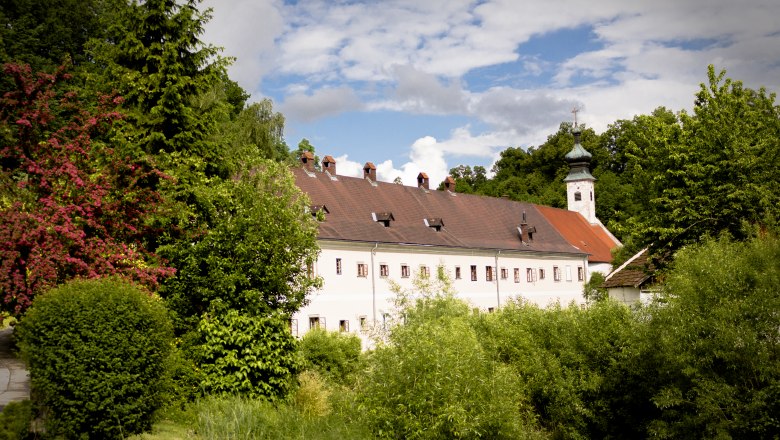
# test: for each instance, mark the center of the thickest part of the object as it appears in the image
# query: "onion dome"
(579, 160)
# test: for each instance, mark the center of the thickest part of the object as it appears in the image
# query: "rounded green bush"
(335, 355)
(96, 351)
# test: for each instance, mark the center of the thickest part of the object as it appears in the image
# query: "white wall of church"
(361, 291)
(586, 205)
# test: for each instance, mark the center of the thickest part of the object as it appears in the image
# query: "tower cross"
(575, 110)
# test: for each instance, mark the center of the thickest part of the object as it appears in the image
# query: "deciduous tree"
(70, 204)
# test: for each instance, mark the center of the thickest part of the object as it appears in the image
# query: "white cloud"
(247, 30)
(323, 102)
(418, 91)
(411, 56)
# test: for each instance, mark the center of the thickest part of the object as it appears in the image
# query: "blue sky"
(427, 85)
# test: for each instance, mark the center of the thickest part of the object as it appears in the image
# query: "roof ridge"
(624, 265)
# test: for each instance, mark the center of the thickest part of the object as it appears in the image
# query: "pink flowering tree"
(71, 203)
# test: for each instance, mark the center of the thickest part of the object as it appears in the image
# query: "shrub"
(240, 354)
(332, 354)
(96, 352)
(311, 396)
(15, 420)
(433, 380)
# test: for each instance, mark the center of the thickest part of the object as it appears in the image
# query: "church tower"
(579, 182)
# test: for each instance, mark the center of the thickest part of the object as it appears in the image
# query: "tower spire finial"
(575, 110)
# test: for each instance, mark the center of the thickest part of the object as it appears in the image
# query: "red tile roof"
(592, 239)
(467, 220)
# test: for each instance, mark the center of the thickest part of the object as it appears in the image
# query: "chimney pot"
(329, 165)
(369, 171)
(422, 180)
(307, 160)
(449, 183)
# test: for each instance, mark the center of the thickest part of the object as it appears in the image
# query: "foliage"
(432, 379)
(711, 171)
(159, 64)
(96, 351)
(44, 34)
(243, 354)
(254, 253)
(579, 367)
(311, 395)
(70, 204)
(592, 290)
(718, 332)
(334, 355)
(15, 419)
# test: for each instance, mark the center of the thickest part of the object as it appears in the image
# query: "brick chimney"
(422, 180)
(369, 171)
(524, 229)
(307, 160)
(329, 165)
(449, 184)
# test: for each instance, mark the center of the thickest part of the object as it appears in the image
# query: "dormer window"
(319, 212)
(434, 223)
(383, 217)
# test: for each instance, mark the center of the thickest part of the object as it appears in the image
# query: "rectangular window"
(489, 273)
(294, 327)
(384, 271)
(517, 274)
(362, 270)
(385, 320)
(338, 266)
(316, 322)
(504, 273)
(362, 321)
(473, 273)
(343, 325)
(491, 309)
(457, 272)
(568, 273)
(529, 275)
(425, 272)
(556, 273)
(580, 273)
(404, 271)
(541, 273)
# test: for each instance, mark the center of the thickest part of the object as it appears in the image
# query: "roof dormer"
(383, 217)
(435, 223)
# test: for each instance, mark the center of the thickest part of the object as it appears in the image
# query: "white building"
(494, 249)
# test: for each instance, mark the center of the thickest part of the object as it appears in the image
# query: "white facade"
(356, 290)
(580, 198)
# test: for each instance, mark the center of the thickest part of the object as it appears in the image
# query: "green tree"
(156, 60)
(253, 253)
(433, 379)
(45, 34)
(717, 328)
(714, 171)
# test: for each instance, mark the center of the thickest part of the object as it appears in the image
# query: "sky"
(427, 85)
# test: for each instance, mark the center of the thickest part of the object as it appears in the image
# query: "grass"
(168, 430)
(236, 417)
